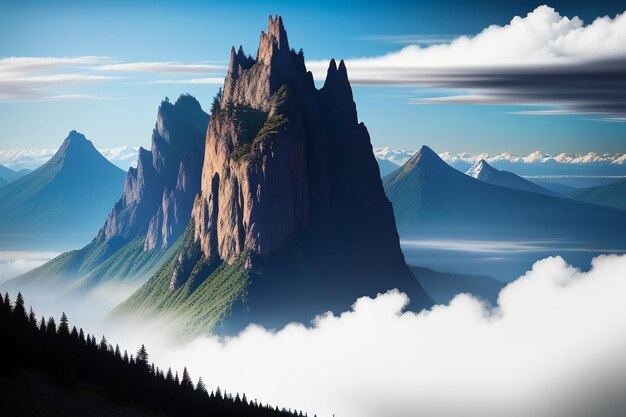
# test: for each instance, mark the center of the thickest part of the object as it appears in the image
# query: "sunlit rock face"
(158, 194)
(269, 181)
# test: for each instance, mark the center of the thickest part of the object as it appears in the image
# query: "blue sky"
(122, 110)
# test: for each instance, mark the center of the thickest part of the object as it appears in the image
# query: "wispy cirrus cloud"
(164, 67)
(56, 78)
(540, 59)
(208, 80)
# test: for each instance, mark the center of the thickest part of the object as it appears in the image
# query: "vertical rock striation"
(271, 188)
(158, 194)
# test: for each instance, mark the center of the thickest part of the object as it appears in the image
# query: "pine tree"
(64, 327)
(118, 354)
(81, 335)
(7, 300)
(19, 310)
(74, 333)
(186, 381)
(103, 344)
(215, 105)
(31, 317)
(125, 356)
(200, 386)
(51, 327)
(142, 355)
(169, 377)
(42, 325)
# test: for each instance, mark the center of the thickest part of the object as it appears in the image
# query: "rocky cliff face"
(269, 183)
(159, 193)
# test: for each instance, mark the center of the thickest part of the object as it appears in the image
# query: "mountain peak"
(480, 169)
(75, 137)
(76, 145)
(275, 40)
(425, 157)
(276, 31)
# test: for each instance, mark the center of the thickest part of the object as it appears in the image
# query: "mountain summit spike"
(276, 31)
(289, 185)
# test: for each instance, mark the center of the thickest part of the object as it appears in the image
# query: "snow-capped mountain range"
(16, 159)
(400, 156)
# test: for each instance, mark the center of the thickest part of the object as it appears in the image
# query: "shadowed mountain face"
(69, 196)
(310, 230)
(7, 175)
(431, 199)
(152, 213)
(442, 287)
(158, 194)
(484, 172)
(386, 167)
(611, 195)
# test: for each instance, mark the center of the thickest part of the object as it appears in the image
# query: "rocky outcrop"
(159, 193)
(269, 183)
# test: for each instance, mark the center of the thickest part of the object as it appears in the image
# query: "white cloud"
(20, 64)
(13, 264)
(553, 347)
(208, 80)
(541, 37)
(49, 78)
(541, 58)
(164, 67)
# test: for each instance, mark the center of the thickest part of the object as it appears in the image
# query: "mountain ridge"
(148, 219)
(430, 198)
(69, 192)
(482, 171)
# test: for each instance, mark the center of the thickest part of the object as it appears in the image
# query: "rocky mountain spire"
(159, 193)
(270, 182)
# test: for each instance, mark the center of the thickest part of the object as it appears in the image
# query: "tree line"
(71, 358)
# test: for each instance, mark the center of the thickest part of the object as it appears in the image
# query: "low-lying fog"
(554, 346)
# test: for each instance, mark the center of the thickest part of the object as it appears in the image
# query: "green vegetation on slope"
(130, 262)
(256, 125)
(84, 268)
(198, 305)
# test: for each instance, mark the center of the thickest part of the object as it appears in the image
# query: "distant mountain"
(555, 187)
(432, 199)
(484, 172)
(124, 156)
(152, 213)
(386, 167)
(443, 287)
(68, 196)
(577, 171)
(537, 157)
(283, 228)
(7, 175)
(397, 156)
(611, 195)
(29, 159)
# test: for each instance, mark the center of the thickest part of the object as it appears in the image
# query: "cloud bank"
(13, 264)
(540, 59)
(554, 346)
